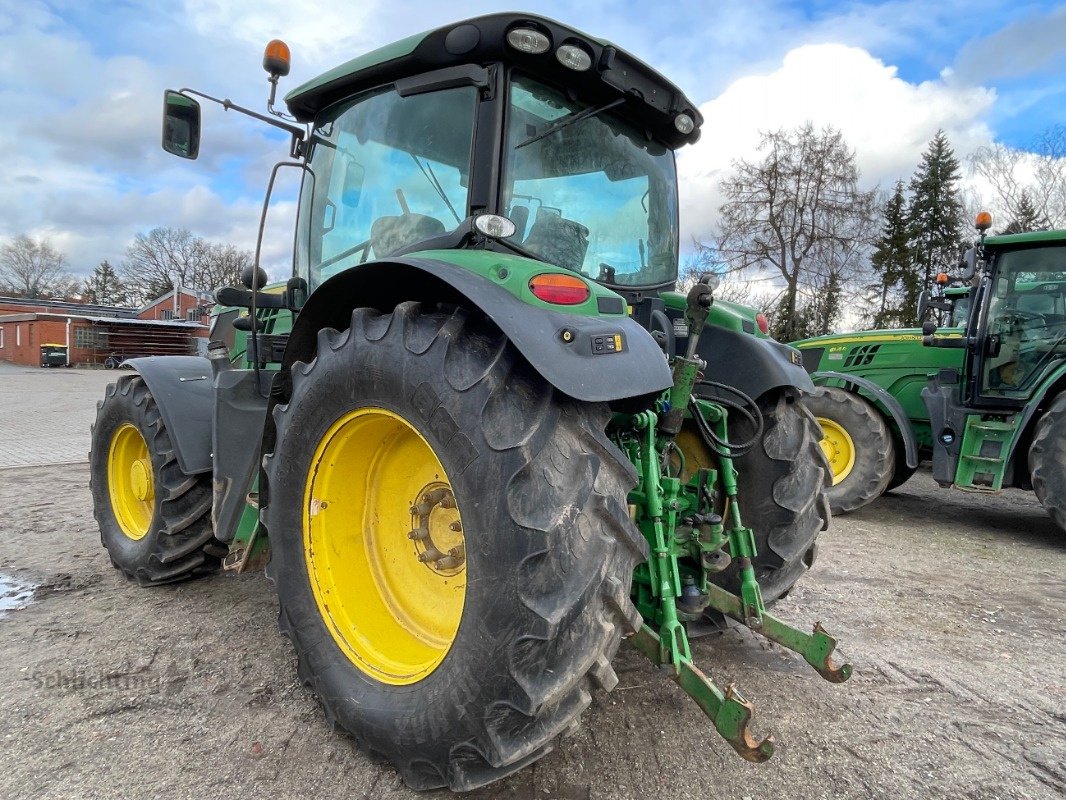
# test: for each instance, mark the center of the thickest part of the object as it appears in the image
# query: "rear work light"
(560, 290)
(528, 40)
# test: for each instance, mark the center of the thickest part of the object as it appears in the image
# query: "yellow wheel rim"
(130, 482)
(384, 547)
(839, 449)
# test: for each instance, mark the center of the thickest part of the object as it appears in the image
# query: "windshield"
(1027, 314)
(595, 196)
(388, 171)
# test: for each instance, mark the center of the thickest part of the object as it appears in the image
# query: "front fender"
(183, 390)
(559, 346)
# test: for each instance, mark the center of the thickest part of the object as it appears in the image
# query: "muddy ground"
(951, 607)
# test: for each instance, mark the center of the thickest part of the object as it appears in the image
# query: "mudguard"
(748, 363)
(184, 391)
(887, 403)
(568, 361)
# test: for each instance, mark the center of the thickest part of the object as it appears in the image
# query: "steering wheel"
(1015, 316)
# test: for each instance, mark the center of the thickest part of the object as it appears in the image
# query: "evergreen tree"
(1027, 217)
(935, 220)
(104, 288)
(893, 263)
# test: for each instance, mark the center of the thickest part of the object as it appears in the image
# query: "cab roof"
(1034, 237)
(650, 98)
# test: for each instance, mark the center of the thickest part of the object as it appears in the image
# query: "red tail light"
(762, 322)
(560, 290)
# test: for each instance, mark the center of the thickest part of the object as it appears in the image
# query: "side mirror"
(968, 264)
(923, 304)
(181, 125)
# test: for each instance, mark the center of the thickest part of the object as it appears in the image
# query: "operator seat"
(560, 241)
(389, 234)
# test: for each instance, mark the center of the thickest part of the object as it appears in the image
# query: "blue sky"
(83, 84)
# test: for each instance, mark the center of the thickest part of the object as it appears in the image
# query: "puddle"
(15, 593)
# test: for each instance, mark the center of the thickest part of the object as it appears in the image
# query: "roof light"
(276, 58)
(559, 289)
(528, 40)
(943, 278)
(574, 57)
(494, 226)
(983, 221)
(684, 123)
(762, 322)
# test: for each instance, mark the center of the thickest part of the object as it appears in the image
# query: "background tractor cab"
(990, 414)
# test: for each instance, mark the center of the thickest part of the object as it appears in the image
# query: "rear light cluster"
(558, 289)
(762, 322)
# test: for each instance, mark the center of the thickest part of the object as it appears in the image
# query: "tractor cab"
(1014, 362)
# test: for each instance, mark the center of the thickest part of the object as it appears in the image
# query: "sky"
(82, 84)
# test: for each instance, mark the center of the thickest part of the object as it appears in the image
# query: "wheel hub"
(140, 479)
(838, 447)
(437, 531)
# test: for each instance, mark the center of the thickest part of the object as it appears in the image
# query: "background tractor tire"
(781, 490)
(863, 461)
(1047, 457)
(550, 548)
(155, 521)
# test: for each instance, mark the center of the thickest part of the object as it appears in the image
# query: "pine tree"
(935, 220)
(1027, 217)
(893, 262)
(104, 287)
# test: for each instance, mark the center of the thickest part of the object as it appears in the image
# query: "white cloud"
(886, 120)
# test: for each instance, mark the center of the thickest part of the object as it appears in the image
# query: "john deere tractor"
(477, 437)
(991, 386)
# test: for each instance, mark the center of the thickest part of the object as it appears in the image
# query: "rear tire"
(858, 446)
(549, 546)
(1047, 455)
(155, 521)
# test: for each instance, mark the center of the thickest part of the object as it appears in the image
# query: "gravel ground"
(951, 607)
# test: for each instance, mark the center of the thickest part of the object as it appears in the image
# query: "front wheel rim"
(130, 482)
(838, 447)
(384, 546)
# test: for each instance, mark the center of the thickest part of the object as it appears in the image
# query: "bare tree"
(1035, 177)
(154, 261)
(798, 211)
(33, 268)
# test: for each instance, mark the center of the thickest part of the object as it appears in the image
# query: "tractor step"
(983, 454)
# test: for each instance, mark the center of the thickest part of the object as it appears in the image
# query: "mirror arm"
(298, 134)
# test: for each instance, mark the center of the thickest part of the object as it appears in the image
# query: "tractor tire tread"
(567, 496)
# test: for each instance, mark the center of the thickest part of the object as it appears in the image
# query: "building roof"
(166, 323)
(64, 305)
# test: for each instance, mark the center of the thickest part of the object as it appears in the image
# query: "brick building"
(174, 324)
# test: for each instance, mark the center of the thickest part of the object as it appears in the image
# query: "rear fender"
(559, 346)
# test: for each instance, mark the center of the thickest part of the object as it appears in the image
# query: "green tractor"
(984, 397)
(477, 437)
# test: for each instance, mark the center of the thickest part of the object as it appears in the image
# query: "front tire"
(155, 521)
(498, 658)
(857, 445)
(1047, 454)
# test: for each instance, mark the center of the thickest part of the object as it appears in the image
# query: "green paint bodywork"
(895, 360)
